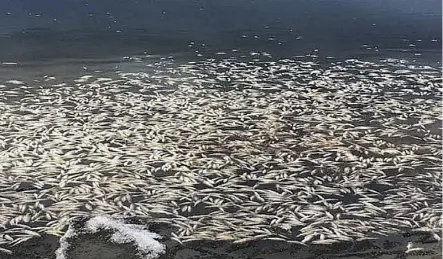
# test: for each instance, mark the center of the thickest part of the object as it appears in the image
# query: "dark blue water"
(48, 30)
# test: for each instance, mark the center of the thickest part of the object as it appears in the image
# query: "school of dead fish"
(227, 149)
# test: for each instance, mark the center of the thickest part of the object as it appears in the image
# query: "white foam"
(148, 246)
(60, 253)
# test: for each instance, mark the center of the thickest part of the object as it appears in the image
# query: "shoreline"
(97, 246)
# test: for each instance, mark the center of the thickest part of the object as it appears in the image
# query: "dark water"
(78, 30)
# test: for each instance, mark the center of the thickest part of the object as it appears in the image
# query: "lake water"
(79, 31)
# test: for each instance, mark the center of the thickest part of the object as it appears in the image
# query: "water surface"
(48, 30)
